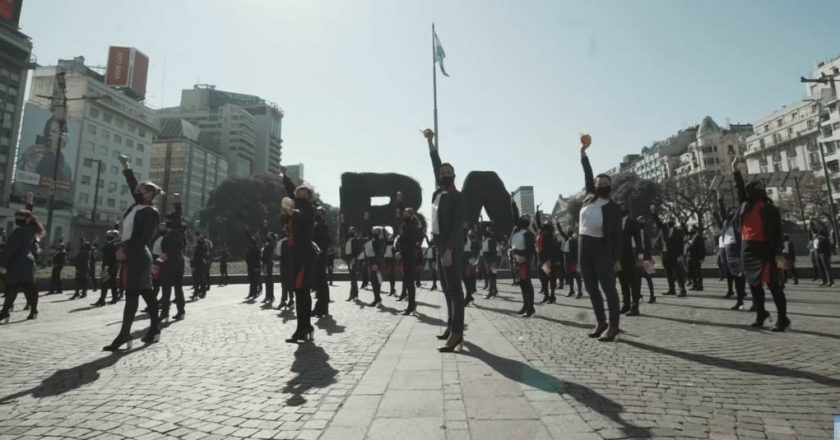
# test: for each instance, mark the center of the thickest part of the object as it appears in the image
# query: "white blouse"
(592, 219)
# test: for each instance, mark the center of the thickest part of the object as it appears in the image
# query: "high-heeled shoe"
(308, 336)
(624, 309)
(612, 335)
(179, 316)
(375, 303)
(759, 321)
(456, 340)
(444, 336)
(120, 340)
(408, 311)
(32, 315)
(528, 313)
(4, 316)
(151, 337)
(468, 300)
(738, 306)
(781, 325)
(600, 328)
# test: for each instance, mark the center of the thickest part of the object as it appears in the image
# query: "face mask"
(20, 221)
(447, 180)
(407, 219)
(602, 191)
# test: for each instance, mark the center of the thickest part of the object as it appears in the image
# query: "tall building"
(524, 198)
(714, 148)
(246, 128)
(107, 123)
(181, 163)
(15, 51)
(295, 171)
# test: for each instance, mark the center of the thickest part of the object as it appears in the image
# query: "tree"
(686, 197)
(637, 193)
(814, 202)
(573, 211)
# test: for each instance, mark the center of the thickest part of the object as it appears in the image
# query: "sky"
(527, 77)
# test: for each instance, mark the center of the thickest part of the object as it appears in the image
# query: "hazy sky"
(354, 77)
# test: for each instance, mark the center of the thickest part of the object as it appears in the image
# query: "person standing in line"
(224, 258)
(600, 247)
(672, 237)
(110, 268)
(406, 244)
(94, 282)
(646, 268)
(252, 264)
(330, 265)
(390, 265)
(283, 254)
(267, 260)
(351, 249)
(139, 228)
(822, 245)
(472, 248)
(790, 255)
(58, 261)
(631, 259)
(321, 237)
(761, 247)
(172, 262)
(17, 262)
(374, 251)
(522, 246)
(696, 255)
(490, 256)
(302, 224)
(570, 259)
(447, 223)
(82, 264)
(548, 253)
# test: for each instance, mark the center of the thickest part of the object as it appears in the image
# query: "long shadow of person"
(70, 379)
(329, 325)
(525, 374)
(286, 314)
(313, 371)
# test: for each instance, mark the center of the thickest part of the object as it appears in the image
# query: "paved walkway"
(689, 368)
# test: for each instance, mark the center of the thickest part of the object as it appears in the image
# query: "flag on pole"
(439, 55)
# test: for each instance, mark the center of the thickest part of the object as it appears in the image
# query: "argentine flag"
(439, 55)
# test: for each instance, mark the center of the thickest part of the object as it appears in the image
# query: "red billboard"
(128, 69)
(10, 12)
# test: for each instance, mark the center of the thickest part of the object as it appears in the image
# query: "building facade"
(15, 52)
(714, 148)
(102, 127)
(246, 128)
(295, 171)
(524, 198)
(181, 163)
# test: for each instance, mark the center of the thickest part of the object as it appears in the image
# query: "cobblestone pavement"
(688, 368)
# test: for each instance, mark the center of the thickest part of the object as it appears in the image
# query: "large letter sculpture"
(357, 189)
(485, 189)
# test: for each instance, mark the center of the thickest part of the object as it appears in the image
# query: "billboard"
(10, 12)
(128, 69)
(37, 158)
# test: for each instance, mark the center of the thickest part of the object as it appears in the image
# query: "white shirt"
(156, 246)
(435, 220)
(348, 246)
(128, 222)
(369, 249)
(517, 241)
(485, 246)
(278, 248)
(389, 251)
(729, 235)
(592, 219)
(467, 245)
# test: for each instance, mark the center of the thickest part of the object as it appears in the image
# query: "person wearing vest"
(406, 246)
(252, 266)
(267, 262)
(283, 254)
(448, 238)
(730, 243)
(646, 269)
(570, 261)
(631, 260)
(139, 227)
(374, 250)
(81, 263)
(671, 237)
(110, 268)
(761, 247)
(490, 256)
(173, 262)
(17, 261)
(351, 249)
(58, 261)
(548, 253)
(600, 247)
(301, 220)
(522, 246)
(321, 237)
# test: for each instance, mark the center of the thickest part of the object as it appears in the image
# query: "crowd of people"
(606, 251)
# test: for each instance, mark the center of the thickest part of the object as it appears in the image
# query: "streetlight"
(824, 80)
(96, 189)
(61, 81)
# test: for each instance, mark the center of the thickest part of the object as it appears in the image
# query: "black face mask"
(407, 219)
(603, 191)
(20, 222)
(447, 180)
(756, 193)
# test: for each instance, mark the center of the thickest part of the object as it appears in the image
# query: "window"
(94, 113)
(767, 128)
(106, 134)
(92, 128)
(779, 123)
(87, 162)
(141, 132)
(123, 190)
(117, 139)
(85, 180)
(112, 187)
(112, 203)
(100, 184)
(106, 117)
(833, 166)
(119, 122)
(810, 123)
(129, 143)
(84, 198)
(138, 161)
(140, 147)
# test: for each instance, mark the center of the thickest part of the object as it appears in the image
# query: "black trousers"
(696, 272)
(322, 288)
(254, 282)
(649, 282)
(450, 283)
(526, 286)
(631, 283)
(303, 307)
(674, 271)
(30, 290)
(408, 283)
(268, 277)
(55, 279)
(110, 283)
(81, 284)
(132, 301)
(224, 273)
(353, 269)
(375, 284)
(180, 302)
(597, 269)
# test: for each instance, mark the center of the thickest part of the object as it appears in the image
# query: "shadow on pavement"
(742, 366)
(313, 371)
(329, 325)
(69, 379)
(525, 374)
(744, 326)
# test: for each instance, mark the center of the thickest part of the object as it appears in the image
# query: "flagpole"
(434, 84)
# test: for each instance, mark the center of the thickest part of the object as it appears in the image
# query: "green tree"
(637, 193)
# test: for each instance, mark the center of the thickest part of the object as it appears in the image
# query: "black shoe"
(408, 311)
(452, 344)
(552, 299)
(545, 299)
(682, 294)
(752, 308)
(114, 301)
(26, 307)
(579, 295)
(738, 306)
(528, 314)
(600, 328)
(4, 316)
(522, 311)
(99, 303)
(151, 337)
(781, 325)
(283, 305)
(308, 336)
(120, 340)
(468, 300)
(375, 303)
(179, 316)
(290, 305)
(571, 294)
(652, 299)
(669, 293)
(32, 315)
(444, 336)
(634, 310)
(612, 335)
(759, 321)
(624, 309)
(729, 294)
(795, 282)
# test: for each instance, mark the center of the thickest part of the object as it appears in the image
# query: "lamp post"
(96, 189)
(824, 80)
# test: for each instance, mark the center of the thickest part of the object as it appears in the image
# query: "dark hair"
(36, 225)
(604, 176)
(447, 164)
